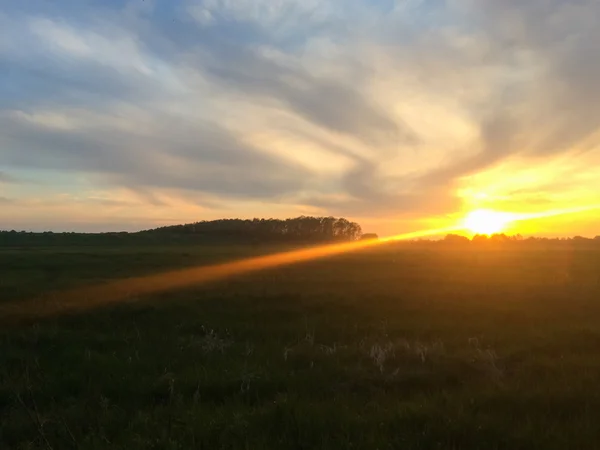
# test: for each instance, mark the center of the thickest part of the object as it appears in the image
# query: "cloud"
(6, 178)
(554, 104)
(356, 108)
(283, 15)
(195, 156)
(325, 102)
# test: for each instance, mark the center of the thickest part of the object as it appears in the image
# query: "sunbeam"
(131, 288)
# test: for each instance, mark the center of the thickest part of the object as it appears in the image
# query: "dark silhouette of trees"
(369, 237)
(299, 229)
(303, 229)
(480, 238)
(581, 239)
(456, 239)
(500, 238)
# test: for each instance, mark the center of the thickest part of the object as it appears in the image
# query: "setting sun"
(484, 221)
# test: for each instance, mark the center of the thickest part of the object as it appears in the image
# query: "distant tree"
(480, 238)
(369, 237)
(456, 239)
(580, 239)
(301, 228)
(499, 238)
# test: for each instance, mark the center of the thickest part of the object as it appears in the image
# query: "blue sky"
(401, 114)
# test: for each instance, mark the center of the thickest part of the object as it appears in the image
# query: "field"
(410, 347)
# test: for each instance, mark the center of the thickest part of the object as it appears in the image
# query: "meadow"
(394, 347)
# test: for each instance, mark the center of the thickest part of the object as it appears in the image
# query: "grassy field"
(408, 347)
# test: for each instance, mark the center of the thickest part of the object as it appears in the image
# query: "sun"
(485, 221)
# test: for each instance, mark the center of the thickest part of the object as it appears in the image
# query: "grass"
(395, 347)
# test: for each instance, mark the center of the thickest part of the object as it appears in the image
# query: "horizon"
(427, 236)
(402, 116)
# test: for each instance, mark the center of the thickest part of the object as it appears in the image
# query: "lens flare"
(130, 289)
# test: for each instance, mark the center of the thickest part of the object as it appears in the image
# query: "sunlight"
(485, 221)
(133, 287)
(481, 221)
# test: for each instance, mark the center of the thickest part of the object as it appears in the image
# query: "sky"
(400, 114)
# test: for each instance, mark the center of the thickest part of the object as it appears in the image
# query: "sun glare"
(484, 221)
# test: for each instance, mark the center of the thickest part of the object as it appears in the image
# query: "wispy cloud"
(6, 178)
(364, 108)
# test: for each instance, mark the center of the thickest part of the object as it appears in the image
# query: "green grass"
(395, 347)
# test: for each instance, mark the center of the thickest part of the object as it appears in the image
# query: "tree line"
(300, 229)
(303, 228)
(501, 238)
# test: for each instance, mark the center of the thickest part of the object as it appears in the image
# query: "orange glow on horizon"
(112, 292)
(488, 221)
